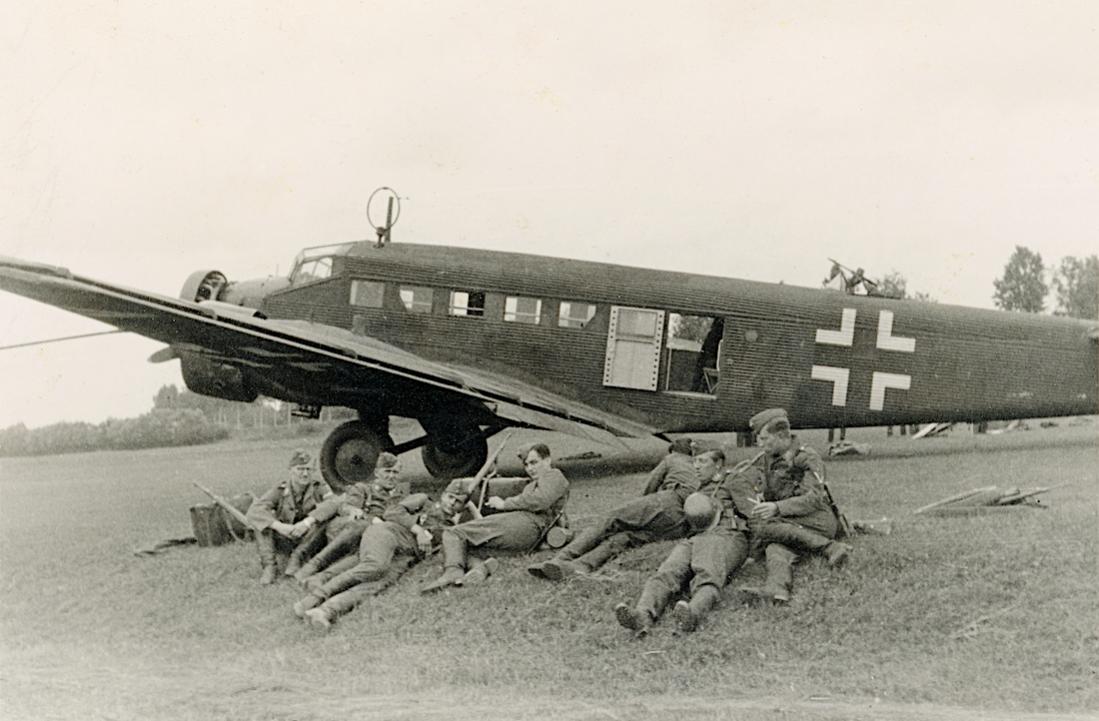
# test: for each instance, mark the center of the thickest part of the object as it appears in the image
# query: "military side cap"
(458, 488)
(765, 418)
(300, 458)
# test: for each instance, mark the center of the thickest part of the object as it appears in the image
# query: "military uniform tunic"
(282, 504)
(792, 481)
(525, 515)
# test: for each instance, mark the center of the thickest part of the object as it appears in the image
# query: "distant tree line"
(178, 418)
(1026, 282)
(155, 429)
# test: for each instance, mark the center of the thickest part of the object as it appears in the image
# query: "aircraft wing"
(299, 354)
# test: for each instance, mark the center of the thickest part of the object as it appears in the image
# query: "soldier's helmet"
(700, 510)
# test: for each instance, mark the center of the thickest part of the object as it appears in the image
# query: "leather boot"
(689, 614)
(780, 573)
(454, 563)
(559, 570)
(305, 604)
(837, 553)
(318, 618)
(478, 572)
(634, 619)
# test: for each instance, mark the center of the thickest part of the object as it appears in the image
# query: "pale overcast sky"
(144, 140)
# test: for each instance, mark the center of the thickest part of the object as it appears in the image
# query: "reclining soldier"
(657, 515)
(363, 503)
(285, 518)
(526, 509)
(702, 563)
(412, 529)
(794, 513)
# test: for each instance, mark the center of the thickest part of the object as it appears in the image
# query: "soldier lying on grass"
(412, 529)
(700, 565)
(657, 515)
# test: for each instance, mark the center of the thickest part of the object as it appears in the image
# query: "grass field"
(984, 617)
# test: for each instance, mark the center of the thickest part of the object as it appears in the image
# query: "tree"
(1022, 286)
(166, 397)
(1076, 283)
(893, 285)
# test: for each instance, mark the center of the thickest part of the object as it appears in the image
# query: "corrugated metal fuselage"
(831, 359)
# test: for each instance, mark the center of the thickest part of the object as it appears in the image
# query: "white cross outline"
(838, 377)
(845, 335)
(880, 382)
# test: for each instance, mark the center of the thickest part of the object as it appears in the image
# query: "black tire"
(350, 453)
(445, 463)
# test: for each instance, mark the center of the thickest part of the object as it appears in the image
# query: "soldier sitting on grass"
(285, 518)
(657, 515)
(363, 503)
(792, 510)
(412, 529)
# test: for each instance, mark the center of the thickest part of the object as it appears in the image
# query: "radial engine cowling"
(202, 375)
(211, 378)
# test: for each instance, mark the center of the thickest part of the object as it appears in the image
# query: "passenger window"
(518, 309)
(416, 298)
(367, 293)
(575, 315)
(467, 302)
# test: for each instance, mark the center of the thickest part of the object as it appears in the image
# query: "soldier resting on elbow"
(363, 503)
(701, 564)
(793, 513)
(285, 518)
(526, 509)
(657, 515)
(412, 529)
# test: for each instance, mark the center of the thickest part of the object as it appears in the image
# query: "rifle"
(482, 475)
(845, 527)
(226, 506)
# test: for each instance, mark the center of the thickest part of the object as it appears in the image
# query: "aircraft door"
(634, 340)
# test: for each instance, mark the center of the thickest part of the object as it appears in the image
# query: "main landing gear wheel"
(455, 461)
(350, 453)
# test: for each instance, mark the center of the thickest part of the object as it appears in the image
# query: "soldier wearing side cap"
(792, 512)
(657, 515)
(703, 563)
(286, 518)
(411, 530)
(363, 503)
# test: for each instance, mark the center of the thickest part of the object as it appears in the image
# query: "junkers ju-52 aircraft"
(468, 342)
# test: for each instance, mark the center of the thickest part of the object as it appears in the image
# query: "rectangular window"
(367, 293)
(575, 315)
(518, 309)
(467, 303)
(416, 298)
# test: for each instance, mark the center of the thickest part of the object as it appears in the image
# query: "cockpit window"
(310, 270)
(315, 263)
